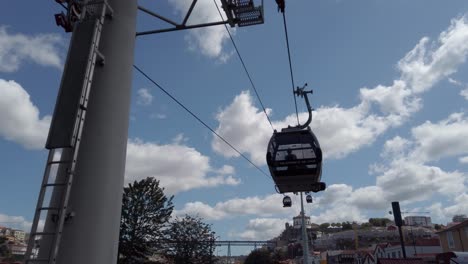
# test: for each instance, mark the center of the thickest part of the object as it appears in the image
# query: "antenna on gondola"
(301, 93)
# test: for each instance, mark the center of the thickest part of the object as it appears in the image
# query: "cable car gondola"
(309, 198)
(287, 201)
(294, 156)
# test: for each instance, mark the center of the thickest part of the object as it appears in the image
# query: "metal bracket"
(238, 12)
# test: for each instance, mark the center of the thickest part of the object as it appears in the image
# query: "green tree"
(4, 251)
(366, 226)
(259, 256)
(190, 241)
(379, 221)
(324, 226)
(346, 226)
(145, 213)
(278, 255)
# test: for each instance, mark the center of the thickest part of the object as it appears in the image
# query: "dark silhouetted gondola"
(287, 201)
(309, 198)
(294, 156)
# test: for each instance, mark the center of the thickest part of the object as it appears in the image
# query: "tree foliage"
(365, 226)
(346, 226)
(379, 221)
(190, 241)
(279, 255)
(4, 251)
(145, 213)
(259, 256)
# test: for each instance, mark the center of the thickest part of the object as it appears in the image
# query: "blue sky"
(390, 93)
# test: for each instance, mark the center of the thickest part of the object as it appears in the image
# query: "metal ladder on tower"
(94, 13)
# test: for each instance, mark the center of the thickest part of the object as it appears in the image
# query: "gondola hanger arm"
(300, 91)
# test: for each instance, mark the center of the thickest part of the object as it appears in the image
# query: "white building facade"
(418, 221)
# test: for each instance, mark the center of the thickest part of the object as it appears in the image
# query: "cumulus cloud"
(342, 131)
(236, 123)
(43, 49)
(424, 66)
(412, 181)
(463, 160)
(408, 174)
(17, 222)
(464, 93)
(443, 213)
(259, 206)
(443, 139)
(20, 118)
(339, 201)
(395, 148)
(144, 96)
(208, 40)
(262, 228)
(178, 167)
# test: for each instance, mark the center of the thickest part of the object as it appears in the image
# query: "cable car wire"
(290, 64)
(245, 67)
(66, 8)
(199, 120)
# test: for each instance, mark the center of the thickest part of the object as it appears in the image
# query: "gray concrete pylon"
(92, 235)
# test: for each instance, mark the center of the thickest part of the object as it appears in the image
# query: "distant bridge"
(228, 243)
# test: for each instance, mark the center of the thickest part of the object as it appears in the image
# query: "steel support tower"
(77, 217)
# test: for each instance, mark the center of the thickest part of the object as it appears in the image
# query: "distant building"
(418, 248)
(459, 218)
(297, 221)
(19, 235)
(401, 261)
(5, 231)
(455, 238)
(18, 249)
(418, 221)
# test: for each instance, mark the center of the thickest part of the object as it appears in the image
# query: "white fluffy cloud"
(395, 148)
(144, 96)
(409, 176)
(178, 167)
(259, 206)
(464, 93)
(236, 124)
(208, 40)
(43, 49)
(424, 66)
(262, 228)
(20, 118)
(443, 213)
(446, 138)
(15, 222)
(342, 131)
(339, 201)
(406, 180)
(463, 159)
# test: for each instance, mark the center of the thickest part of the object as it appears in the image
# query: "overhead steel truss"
(238, 12)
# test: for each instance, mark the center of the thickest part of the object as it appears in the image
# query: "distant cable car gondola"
(294, 156)
(287, 201)
(309, 198)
